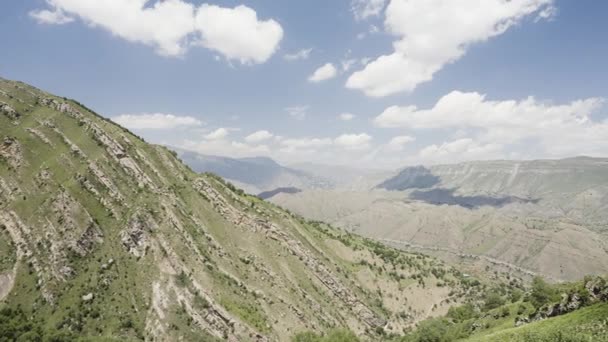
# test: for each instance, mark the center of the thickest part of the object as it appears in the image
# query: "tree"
(542, 293)
(492, 301)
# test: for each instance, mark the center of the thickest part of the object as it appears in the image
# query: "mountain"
(105, 237)
(547, 217)
(254, 175)
(345, 177)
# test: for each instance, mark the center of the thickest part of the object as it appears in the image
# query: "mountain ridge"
(109, 238)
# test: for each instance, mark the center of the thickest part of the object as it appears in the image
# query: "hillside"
(254, 175)
(576, 188)
(545, 217)
(104, 235)
(570, 312)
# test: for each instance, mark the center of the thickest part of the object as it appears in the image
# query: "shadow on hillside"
(287, 190)
(447, 196)
(415, 177)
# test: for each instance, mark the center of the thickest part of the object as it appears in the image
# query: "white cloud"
(489, 129)
(237, 33)
(298, 55)
(398, 143)
(258, 136)
(323, 73)
(173, 26)
(363, 9)
(346, 116)
(433, 33)
(233, 149)
(460, 150)
(297, 112)
(347, 64)
(155, 121)
(460, 110)
(306, 144)
(354, 141)
(55, 17)
(218, 134)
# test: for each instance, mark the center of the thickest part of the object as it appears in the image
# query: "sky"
(367, 83)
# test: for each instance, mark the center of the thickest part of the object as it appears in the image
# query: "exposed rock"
(134, 238)
(321, 271)
(73, 147)
(106, 182)
(11, 151)
(9, 111)
(598, 289)
(88, 297)
(40, 135)
(521, 320)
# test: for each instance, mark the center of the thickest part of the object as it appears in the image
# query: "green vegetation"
(332, 336)
(118, 240)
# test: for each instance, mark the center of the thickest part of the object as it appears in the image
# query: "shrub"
(461, 313)
(542, 293)
(492, 301)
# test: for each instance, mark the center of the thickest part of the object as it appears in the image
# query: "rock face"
(593, 291)
(150, 250)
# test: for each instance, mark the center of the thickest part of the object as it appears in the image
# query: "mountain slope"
(576, 188)
(547, 217)
(107, 237)
(254, 175)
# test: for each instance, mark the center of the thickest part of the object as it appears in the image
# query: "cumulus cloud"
(459, 109)
(173, 26)
(297, 112)
(298, 55)
(258, 136)
(433, 33)
(323, 73)
(363, 9)
(55, 17)
(354, 141)
(155, 121)
(488, 129)
(306, 144)
(217, 134)
(398, 143)
(459, 150)
(233, 149)
(346, 116)
(237, 33)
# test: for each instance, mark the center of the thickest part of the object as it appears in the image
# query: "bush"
(492, 301)
(333, 336)
(542, 293)
(461, 313)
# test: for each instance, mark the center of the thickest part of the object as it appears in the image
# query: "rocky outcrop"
(40, 136)
(11, 151)
(76, 224)
(593, 290)
(320, 270)
(9, 111)
(134, 237)
(113, 147)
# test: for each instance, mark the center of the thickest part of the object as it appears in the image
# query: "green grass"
(8, 255)
(587, 324)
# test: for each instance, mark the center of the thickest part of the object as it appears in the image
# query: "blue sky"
(458, 81)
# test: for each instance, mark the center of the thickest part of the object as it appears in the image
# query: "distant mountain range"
(259, 175)
(546, 216)
(254, 175)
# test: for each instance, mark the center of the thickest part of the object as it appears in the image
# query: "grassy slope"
(194, 270)
(587, 324)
